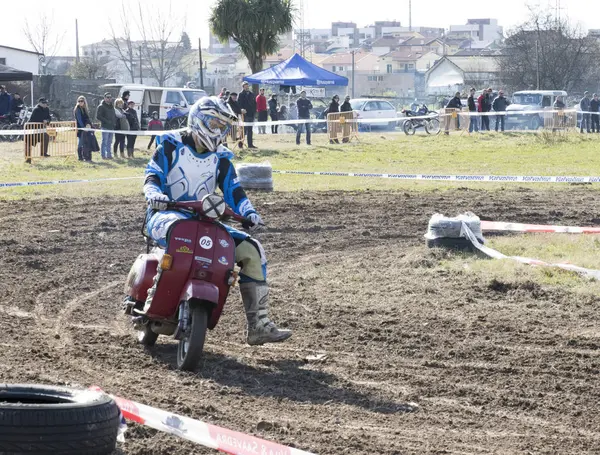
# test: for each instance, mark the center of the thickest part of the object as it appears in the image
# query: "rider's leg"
(255, 291)
(158, 227)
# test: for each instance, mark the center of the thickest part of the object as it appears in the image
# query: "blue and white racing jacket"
(183, 174)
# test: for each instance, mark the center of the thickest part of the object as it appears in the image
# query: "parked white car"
(374, 109)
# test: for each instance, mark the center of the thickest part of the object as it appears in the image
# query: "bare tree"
(43, 39)
(91, 67)
(162, 47)
(122, 43)
(546, 52)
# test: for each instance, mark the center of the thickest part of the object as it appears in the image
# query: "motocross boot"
(261, 329)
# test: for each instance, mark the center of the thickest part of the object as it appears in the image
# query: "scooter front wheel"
(190, 347)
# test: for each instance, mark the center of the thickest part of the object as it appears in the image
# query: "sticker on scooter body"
(206, 243)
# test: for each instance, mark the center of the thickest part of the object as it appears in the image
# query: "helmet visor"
(216, 126)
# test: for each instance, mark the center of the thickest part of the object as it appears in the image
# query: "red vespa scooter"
(198, 269)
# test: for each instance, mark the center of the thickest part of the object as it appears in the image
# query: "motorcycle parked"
(176, 118)
(198, 270)
(431, 124)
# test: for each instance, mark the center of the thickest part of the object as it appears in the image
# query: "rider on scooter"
(189, 169)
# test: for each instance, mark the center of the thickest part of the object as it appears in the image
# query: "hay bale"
(256, 176)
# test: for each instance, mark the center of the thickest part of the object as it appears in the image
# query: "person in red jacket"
(261, 109)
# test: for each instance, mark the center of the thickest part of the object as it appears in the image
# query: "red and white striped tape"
(467, 233)
(521, 227)
(202, 433)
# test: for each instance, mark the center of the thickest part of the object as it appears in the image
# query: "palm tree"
(254, 24)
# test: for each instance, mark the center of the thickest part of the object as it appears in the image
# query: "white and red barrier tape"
(467, 233)
(211, 436)
(521, 227)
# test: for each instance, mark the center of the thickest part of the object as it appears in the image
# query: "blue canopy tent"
(297, 71)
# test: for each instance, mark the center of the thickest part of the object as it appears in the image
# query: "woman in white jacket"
(122, 125)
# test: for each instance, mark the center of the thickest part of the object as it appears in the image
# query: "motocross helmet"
(210, 120)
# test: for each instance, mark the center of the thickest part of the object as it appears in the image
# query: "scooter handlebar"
(196, 206)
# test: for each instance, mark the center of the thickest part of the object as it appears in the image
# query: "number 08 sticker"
(206, 243)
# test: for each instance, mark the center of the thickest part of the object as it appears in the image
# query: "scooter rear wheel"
(189, 349)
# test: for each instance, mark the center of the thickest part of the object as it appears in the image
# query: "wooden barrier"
(344, 123)
(56, 139)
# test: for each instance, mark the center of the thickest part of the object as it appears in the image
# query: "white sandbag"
(441, 226)
(256, 176)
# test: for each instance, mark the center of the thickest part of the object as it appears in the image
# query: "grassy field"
(509, 154)
(495, 154)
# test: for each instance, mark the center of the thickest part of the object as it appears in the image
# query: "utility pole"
(410, 15)
(76, 41)
(141, 79)
(353, 73)
(537, 64)
(200, 65)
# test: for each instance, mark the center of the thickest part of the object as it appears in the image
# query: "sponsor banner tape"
(456, 178)
(430, 177)
(467, 233)
(211, 436)
(521, 227)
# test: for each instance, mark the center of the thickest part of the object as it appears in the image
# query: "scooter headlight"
(213, 206)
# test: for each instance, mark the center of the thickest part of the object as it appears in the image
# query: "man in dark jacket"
(304, 106)
(5, 101)
(594, 113)
(585, 109)
(40, 114)
(233, 103)
(499, 105)
(134, 125)
(454, 103)
(16, 105)
(473, 120)
(273, 112)
(108, 121)
(247, 102)
(346, 106)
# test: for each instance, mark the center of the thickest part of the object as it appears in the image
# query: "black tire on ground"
(432, 126)
(147, 337)
(39, 419)
(451, 244)
(189, 349)
(409, 128)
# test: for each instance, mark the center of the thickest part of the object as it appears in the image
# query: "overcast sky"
(94, 16)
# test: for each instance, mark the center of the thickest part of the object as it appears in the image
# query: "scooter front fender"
(200, 291)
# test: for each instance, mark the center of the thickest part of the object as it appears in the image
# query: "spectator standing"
(499, 105)
(454, 103)
(559, 105)
(473, 120)
(485, 106)
(346, 106)
(82, 117)
(105, 114)
(261, 109)
(334, 107)
(273, 112)
(125, 97)
(233, 103)
(154, 125)
(585, 109)
(594, 113)
(16, 105)
(40, 114)
(5, 101)
(247, 102)
(304, 106)
(122, 125)
(134, 125)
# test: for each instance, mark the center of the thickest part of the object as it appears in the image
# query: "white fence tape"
(359, 120)
(202, 433)
(424, 177)
(467, 233)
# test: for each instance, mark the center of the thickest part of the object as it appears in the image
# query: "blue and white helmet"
(210, 120)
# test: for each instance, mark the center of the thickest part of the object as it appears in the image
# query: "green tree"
(185, 41)
(254, 24)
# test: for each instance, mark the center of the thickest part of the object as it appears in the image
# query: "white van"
(158, 99)
(531, 100)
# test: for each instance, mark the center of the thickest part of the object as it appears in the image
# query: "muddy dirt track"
(418, 360)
